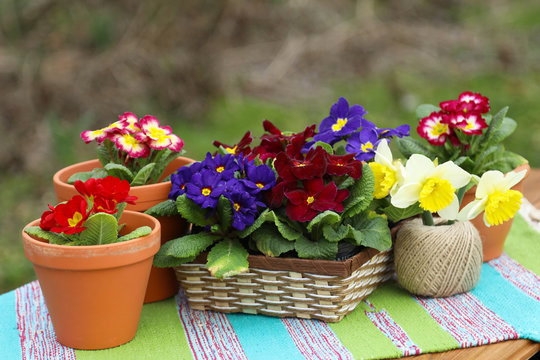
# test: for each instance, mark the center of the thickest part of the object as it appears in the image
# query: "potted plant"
(283, 227)
(145, 154)
(93, 272)
(464, 132)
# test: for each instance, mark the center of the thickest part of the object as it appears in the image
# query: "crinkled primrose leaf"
(227, 258)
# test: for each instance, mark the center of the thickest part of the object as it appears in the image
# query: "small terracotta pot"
(162, 283)
(95, 294)
(147, 195)
(493, 237)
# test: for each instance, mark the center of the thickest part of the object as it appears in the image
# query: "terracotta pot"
(162, 283)
(95, 294)
(147, 195)
(493, 237)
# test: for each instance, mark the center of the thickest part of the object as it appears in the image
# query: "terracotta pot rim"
(59, 176)
(95, 256)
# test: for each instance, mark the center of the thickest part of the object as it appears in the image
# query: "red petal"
(269, 127)
(297, 197)
(314, 186)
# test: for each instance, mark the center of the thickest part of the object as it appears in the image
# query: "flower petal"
(453, 173)
(406, 195)
(472, 210)
(489, 182)
(451, 211)
(417, 168)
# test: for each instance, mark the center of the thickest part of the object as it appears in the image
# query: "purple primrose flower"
(363, 143)
(244, 209)
(400, 131)
(224, 165)
(205, 188)
(343, 120)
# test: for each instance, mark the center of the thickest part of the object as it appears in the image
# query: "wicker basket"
(289, 287)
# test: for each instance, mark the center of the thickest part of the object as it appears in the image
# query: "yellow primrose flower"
(495, 197)
(388, 173)
(434, 186)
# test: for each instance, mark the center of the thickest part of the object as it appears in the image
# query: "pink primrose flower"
(434, 128)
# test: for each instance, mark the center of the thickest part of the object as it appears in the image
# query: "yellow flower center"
(260, 185)
(236, 207)
(385, 178)
(157, 133)
(231, 150)
(339, 124)
(367, 146)
(310, 199)
(220, 169)
(77, 217)
(502, 206)
(130, 140)
(469, 126)
(436, 194)
(206, 191)
(439, 129)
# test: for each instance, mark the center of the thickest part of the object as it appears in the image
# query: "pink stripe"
(209, 334)
(35, 327)
(384, 322)
(315, 339)
(465, 318)
(522, 278)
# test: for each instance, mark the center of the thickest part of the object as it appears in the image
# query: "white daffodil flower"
(388, 173)
(495, 197)
(433, 186)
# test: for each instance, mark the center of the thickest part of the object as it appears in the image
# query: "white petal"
(472, 210)
(512, 178)
(489, 182)
(383, 155)
(453, 173)
(451, 211)
(417, 168)
(406, 195)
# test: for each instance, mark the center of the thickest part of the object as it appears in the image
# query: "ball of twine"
(438, 261)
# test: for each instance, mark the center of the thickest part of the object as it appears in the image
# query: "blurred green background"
(215, 69)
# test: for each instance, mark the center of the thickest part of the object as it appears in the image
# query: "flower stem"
(427, 218)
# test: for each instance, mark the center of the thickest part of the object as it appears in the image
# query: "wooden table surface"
(511, 349)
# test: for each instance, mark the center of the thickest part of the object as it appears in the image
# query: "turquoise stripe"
(263, 337)
(509, 303)
(10, 342)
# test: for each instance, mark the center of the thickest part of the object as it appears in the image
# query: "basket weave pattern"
(284, 293)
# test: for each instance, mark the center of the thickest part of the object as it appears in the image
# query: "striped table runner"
(390, 323)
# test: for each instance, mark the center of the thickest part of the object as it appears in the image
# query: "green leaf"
(51, 237)
(119, 171)
(227, 258)
(335, 233)
(224, 213)
(361, 193)
(165, 208)
(82, 176)
(356, 235)
(161, 164)
(408, 146)
(190, 245)
(161, 259)
(142, 176)
(288, 232)
(270, 242)
(494, 126)
(101, 228)
(120, 210)
(256, 224)
(375, 230)
(192, 212)
(424, 110)
(321, 249)
(104, 152)
(137, 233)
(97, 173)
(396, 214)
(324, 218)
(505, 129)
(326, 147)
